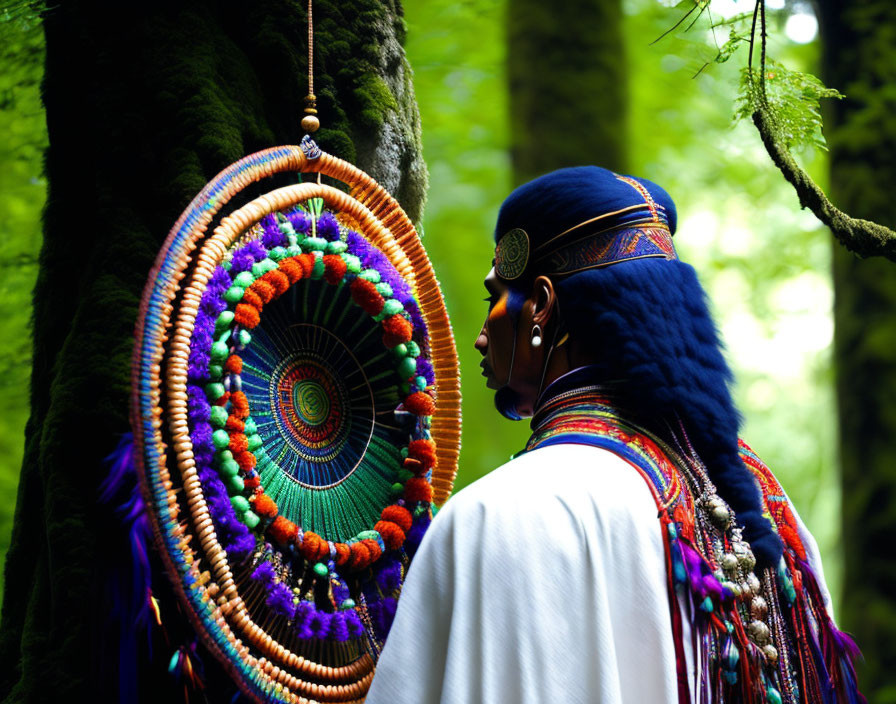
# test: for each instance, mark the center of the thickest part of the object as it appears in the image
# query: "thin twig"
(675, 26)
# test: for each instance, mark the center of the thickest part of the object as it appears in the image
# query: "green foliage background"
(765, 263)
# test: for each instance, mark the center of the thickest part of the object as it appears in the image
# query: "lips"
(488, 374)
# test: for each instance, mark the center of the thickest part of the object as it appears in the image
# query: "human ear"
(544, 300)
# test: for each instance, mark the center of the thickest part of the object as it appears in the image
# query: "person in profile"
(636, 550)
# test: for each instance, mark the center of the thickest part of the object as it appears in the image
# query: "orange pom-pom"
(253, 299)
(306, 261)
(238, 443)
(374, 548)
(252, 482)
(365, 295)
(424, 451)
(420, 404)
(265, 506)
(393, 535)
(334, 268)
(361, 557)
(399, 516)
(234, 364)
(292, 269)
(283, 530)
(223, 400)
(246, 460)
(278, 281)
(417, 489)
(396, 329)
(264, 290)
(343, 553)
(240, 404)
(234, 424)
(314, 548)
(246, 315)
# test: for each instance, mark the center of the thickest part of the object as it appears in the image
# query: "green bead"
(352, 263)
(371, 275)
(321, 570)
(215, 371)
(245, 337)
(774, 697)
(319, 268)
(251, 428)
(254, 442)
(397, 488)
(258, 269)
(219, 351)
(404, 475)
(407, 367)
(404, 452)
(293, 250)
(223, 321)
(413, 349)
(229, 468)
(368, 535)
(278, 253)
(400, 350)
(336, 247)
(286, 228)
(384, 289)
(405, 388)
(347, 604)
(234, 294)
(244, 279)
(420, 383)
(224, 456)
(218, 416)
(214, 391)
(221, 439)
(251, 519)
(392, 307)
(239, 503)
(235, 484)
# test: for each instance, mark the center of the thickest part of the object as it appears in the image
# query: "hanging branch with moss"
(784, 107)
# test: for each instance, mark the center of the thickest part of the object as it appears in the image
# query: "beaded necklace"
(759, 635)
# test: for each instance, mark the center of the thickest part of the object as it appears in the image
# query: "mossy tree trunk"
(568, 97)
(860, 60)
(141, 112)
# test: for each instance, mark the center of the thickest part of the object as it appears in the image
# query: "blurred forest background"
(766, 264)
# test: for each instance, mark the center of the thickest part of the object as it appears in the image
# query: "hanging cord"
(310, 122)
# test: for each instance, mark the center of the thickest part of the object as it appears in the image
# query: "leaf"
(726, 51)
(792, 98)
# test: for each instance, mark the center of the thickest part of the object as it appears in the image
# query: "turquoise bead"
(352, 263)
(251, 519)
(407, 367)
(223, 321)
(258, 269)
(245, 337)
(218, 416)
(384, 289)
(420, 383)
(221, 439)
(234, 294)
(336, 247)
(278, 253)
(413, 349)
(347, 604)
(774, 697)
(321, 570)
(392, 307)
(229, 468)
(251, 428)
(240, 504)
(244, 279)
(254, 442)
(673, 531)
(707, 605)
(214, 391)
(219, 351)
(371, 275)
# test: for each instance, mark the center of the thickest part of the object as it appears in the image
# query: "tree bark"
(860, 60)
(141, 113)
(568, 96)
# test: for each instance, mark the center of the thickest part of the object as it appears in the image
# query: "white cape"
(544, 581)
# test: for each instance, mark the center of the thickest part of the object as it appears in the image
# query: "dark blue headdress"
(605, 240)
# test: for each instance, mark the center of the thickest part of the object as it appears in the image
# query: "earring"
(536, 336)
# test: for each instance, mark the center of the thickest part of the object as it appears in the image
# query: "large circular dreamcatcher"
(296, 410)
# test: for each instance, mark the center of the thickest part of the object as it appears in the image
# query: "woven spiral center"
(312, 403)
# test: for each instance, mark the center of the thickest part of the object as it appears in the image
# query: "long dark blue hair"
(647, 326)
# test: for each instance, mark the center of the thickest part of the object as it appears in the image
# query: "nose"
(481, 343)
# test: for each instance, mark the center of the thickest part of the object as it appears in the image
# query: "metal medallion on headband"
(512, 254)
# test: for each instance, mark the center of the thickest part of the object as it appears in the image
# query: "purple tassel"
(280, 600)
(327, 227)
(338, 627)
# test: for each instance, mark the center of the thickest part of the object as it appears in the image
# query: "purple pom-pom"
(338, 627)
(300, 221)
(389, 577)
(302, 619)
(264, 572)
(319, 624)
(327, 226)
(353, 624)
(280, 600)
(424, 369)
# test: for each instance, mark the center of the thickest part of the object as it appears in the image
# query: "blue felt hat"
(581, 218)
